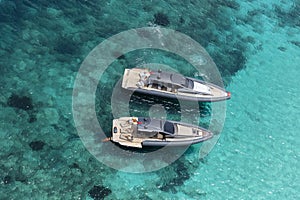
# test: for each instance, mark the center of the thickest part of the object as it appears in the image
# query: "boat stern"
(123, 131)
(132, 77)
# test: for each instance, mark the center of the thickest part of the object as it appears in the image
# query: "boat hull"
(146, 132)
(148, 143)
(178, 96)
(143, 80)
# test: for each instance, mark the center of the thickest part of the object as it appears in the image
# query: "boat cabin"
(171, 82)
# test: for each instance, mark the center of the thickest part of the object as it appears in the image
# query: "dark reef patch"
(99, 192)
(20, 102)
(66, 45)
(216, 32)
(19, 176)
(182, 174)
(76, 166)
(11, 11)
(289, 18)
(32, 118)
(282, 48)
(178, 179)
(230, 4)
(239, 57)
(7, 11)
(37, 145)
(161, 19)
(7, 179)
(228, 67)
(181, 20)
(297, 43)
(144, 197)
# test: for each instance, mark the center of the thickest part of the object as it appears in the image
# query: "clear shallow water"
(260, 146)
(257, 156)
(258, 153)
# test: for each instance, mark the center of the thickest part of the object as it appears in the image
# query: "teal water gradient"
(257, 156)
(256, 46)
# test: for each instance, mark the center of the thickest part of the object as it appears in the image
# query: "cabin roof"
(155, 125)
(165, 77)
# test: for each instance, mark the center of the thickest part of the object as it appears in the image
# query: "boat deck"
(125, 133)
(132, 77)
(133, 80)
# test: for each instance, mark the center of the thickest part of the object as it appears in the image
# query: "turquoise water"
(256, 46)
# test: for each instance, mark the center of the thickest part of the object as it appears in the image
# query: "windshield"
(178, 79)
(189, 83)
(169, 127)
(199, 87)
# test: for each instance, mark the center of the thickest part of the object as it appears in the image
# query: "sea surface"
(254, 44)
